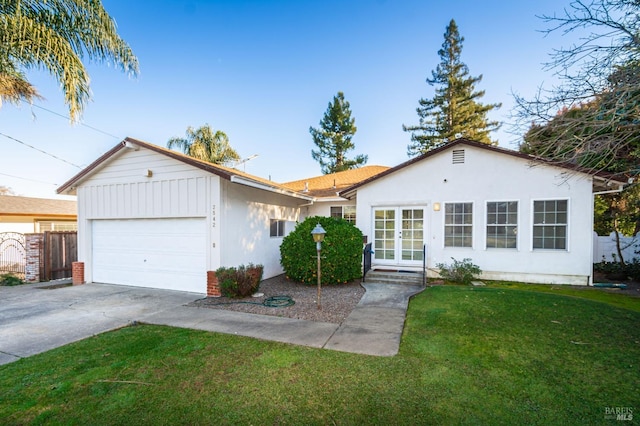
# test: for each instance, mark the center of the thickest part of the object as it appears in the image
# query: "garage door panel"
(159, 253)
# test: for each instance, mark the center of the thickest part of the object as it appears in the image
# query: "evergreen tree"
(454, 111)
(333, 138)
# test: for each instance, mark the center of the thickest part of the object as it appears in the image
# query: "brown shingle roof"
(11, 205)
(329, 185)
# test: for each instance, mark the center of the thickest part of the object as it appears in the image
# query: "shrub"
(9, 280)
(459, 271)
(617, 271)
(241, 281)
(341, 252)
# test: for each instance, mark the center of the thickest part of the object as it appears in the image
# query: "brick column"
(213, 288)
(33, 243)
(77, 273)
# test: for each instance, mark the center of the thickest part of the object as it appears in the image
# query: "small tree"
(454, 112)
(205, 144)
(333, 138)
(341, 252)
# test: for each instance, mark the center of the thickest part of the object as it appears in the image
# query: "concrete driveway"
(34, 319)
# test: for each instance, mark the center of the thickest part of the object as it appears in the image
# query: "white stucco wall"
(488, 176)
(23, 225)
(246, 231)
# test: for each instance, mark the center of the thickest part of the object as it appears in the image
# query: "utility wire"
(32, 180)
(39, 150)
(69, 118)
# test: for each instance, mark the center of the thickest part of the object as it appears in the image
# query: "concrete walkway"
(35, 320)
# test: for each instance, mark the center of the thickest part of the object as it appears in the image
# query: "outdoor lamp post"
(318, 236)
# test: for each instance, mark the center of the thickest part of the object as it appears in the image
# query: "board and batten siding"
(143, 184)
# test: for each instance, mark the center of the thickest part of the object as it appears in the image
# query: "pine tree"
(454, 111)
(333, 138)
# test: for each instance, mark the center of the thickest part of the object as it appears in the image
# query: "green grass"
(468, 356)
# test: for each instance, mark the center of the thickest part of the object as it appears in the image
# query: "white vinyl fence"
(604, 247)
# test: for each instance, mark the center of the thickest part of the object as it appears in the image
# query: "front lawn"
(468, 356)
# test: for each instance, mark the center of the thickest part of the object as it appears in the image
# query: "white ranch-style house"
(152, 217)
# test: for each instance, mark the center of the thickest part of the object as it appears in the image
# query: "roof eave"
(259, 185)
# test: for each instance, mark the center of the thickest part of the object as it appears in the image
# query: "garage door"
(159, 253)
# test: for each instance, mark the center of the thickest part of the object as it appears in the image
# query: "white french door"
(398, 235)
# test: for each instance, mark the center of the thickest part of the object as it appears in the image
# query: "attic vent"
(458, 156)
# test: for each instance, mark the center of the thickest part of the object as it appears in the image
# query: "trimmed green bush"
(463, 271)
(241, 281)
(9, 280)
(341, 252)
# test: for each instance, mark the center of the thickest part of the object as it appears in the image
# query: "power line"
(95, 129)
(39, 150)
(32, 180)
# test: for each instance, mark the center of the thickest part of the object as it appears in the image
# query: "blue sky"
(264, 72)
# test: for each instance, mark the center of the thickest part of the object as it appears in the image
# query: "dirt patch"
(337, 301)
(632, 287)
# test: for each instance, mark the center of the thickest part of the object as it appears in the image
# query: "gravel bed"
(337, 301)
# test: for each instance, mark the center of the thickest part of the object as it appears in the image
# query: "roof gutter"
(253, 184)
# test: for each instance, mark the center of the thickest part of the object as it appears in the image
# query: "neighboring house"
(151, 217)
(34, 215)
(517, 217)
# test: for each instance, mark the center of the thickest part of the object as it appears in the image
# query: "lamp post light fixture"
(318, 236)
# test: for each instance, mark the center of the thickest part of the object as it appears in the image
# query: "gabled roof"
(13, 205)
(601, 179)
(224, 172)
(329, 185)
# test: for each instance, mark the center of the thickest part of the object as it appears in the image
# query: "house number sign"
(213, 216)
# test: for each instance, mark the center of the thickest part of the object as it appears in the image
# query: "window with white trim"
(458, 224)
(347, 213)
(550, 221)
(276, 228)
(502, 224)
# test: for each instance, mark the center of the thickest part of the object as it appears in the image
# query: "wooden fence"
(60, 251)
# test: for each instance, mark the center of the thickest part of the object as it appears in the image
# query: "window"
(59, 225)
(277, 228)
(458, 224)
(347, 213)
(550, 224)
(502, 224)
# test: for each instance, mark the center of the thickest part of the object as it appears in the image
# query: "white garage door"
(158, 253)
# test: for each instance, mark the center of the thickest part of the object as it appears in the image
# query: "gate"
(366, 260)
(13, 256)
(60, 251)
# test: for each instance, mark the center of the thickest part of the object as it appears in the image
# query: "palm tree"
(56, 35)
(205, 144)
